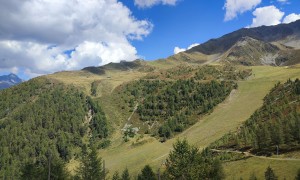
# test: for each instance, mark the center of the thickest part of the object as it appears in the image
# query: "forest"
(272, 129)
(43, 119)
(177, 98)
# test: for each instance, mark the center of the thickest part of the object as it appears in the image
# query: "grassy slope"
(83, 80)
(244, 168)
(227, 116)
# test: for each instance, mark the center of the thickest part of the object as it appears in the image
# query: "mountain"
(249, 51)
(266, 45)
(7, 81)
(132, 112)
(286, 34)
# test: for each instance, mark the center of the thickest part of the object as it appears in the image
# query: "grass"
(109, 81)
(244, 168)
(226, 117)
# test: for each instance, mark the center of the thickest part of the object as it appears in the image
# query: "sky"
(39, 37)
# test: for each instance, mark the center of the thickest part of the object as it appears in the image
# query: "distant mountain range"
(266, 45)
(9, 80)
(286, 34)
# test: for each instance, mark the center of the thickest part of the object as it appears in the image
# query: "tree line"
(185, 161)
(274, 128)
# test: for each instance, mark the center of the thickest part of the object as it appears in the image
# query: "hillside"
(270, 137)
(275, 125)
(226, 117)
(131, 113)
(42, 117)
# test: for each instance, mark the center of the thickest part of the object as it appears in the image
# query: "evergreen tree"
(180, 160)
(185, 162)
(147, 174)
(116, 176)
(217, 171)
(125, 175)
(40, 171)
(91, 166)
(270, 175)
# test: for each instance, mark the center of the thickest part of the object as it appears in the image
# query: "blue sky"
(58, 35)
(192, 21)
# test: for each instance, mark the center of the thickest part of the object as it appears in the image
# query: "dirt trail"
(248, 154)
(134, 109)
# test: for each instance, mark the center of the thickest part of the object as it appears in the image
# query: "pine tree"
(186, 162)
(116, 176)
(40, 172)
(147, 174)
(125, 175)
(180, 160)
(91, 166)
(270, 175)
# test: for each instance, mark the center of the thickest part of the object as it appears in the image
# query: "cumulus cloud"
(36, 34)
(150, 3)
(291, 18)
(268, 15)
(235, 7)
(178, 49)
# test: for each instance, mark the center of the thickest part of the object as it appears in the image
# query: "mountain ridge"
(265, 33)
(9, 80)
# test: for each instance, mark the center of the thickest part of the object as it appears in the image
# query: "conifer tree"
(147, 174)
(270, 175)
(116, 176)
(91, 166)
(125, 175)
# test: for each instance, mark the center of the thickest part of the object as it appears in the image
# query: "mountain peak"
(9, 80)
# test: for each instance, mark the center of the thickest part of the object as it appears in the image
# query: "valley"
(227, 116)
(132, 114)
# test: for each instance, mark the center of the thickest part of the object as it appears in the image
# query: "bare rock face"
(250, 51)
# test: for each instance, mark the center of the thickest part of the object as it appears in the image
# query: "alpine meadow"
(228, 108)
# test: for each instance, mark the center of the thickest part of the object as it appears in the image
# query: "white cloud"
(193, 45)
(235, 7)
(291, 18)
(268, 15)
(150, 3)
(34, 34)
(178, 49)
